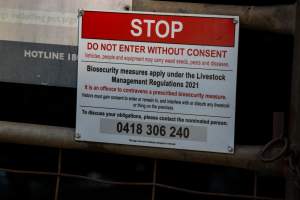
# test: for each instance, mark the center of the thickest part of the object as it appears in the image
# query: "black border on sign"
(168, 66)
(171, 14)
(149, 111)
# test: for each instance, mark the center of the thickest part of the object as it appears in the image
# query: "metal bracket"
(77, 136)
(80, 12)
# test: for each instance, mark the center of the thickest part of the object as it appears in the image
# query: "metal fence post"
(292, 191)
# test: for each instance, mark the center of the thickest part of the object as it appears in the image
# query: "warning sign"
(156, 79)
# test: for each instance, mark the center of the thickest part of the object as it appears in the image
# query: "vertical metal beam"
(57, 187)
(292, 192)
(154, 179)
(294, 127)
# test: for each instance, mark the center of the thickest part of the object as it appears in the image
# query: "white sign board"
(158, 80)
(53, 22)
(38, 39)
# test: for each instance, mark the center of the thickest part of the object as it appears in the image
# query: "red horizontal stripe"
(196, 30)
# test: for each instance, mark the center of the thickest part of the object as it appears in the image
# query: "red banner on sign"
(158, 28)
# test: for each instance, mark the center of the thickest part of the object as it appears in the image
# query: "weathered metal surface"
(292, 190)
(294, 119)
(277, 18)
(60, 137)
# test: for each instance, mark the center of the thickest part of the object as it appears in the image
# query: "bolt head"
(80, 12)
(230, 149)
